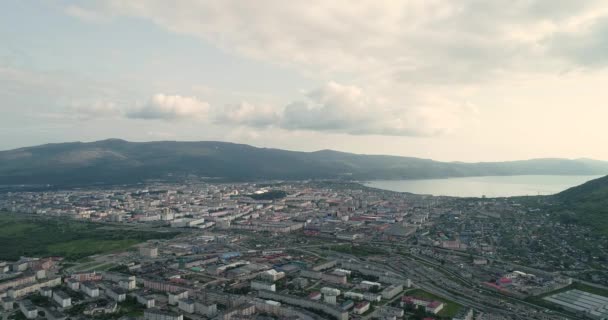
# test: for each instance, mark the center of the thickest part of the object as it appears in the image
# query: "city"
(303, 250)
(303, 160)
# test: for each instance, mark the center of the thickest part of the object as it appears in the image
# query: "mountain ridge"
(120, 161)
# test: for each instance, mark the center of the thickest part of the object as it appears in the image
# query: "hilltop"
(586, 204)
(118, 161)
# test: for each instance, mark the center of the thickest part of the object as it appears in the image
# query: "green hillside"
(118, 161)
(586, 204)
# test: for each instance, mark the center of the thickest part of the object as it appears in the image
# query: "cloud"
(348, 109)
(248, 114)
(412, 66)
(331, 108)
(585, 47)
(171, 107)
(414, 41)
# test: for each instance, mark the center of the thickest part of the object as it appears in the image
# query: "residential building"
(156, 314)
(361, 307)
(28, 309)
(90, 289)
(62, 299)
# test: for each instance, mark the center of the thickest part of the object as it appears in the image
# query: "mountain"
(119, 161)
(586, 204)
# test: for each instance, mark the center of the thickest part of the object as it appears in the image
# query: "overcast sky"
(469, 80)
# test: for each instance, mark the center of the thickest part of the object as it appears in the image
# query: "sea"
(488, 186)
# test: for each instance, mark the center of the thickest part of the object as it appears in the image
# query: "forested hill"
(586, 204)
(119, 161)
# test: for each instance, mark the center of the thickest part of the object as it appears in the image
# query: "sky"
(451, 80)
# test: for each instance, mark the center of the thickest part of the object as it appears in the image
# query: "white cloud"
(416, 41)
(333, 108)
(171, 107)
(249, 114)
(348, 109)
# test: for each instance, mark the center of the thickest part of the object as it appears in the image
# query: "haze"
(448, 80)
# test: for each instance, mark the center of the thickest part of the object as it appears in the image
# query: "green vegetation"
(117, 162)
(270, 195)
(128, 308)
(586, 204)
(28, 235)
(450, 308)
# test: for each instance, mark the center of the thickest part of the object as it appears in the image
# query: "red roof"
(505, 280)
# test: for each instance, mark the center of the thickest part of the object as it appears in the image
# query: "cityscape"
(302, 250)
(303, 160)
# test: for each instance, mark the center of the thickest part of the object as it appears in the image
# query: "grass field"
(30, 235)
(449, 310)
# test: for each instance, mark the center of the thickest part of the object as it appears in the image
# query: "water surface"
(490, 186)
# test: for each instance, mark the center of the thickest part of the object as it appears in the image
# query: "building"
(55, 315)
(329, 299)
(259, 285)
(429, 305)
(62, 299)
(86, 276)
(391, 291)
(7, 303)
(347, 305)
(28, 309)
(148, 252)
(330, 291)
(16, 282)
(73, 284)
(101, 307)
(124, 281)
(464, 314)
(90, 289)
(361, 307)
(156, 314)
(129, 283)
(161, 285)
(315, 296)
(147, 301)
(327, 277)
(369, 284)
(206, 309)
(271, 275)
(353, 295)
(174, 297)
(46, 292)
(186, 305)
(117, 294)
(19, 266)
(26, 289)
(240, 311)
(333, 311)
(372, 297)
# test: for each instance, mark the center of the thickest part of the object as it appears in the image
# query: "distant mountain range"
(119, 161)
(586, 204)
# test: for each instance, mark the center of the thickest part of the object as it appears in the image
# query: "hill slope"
(119, 161)
(586, 204)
